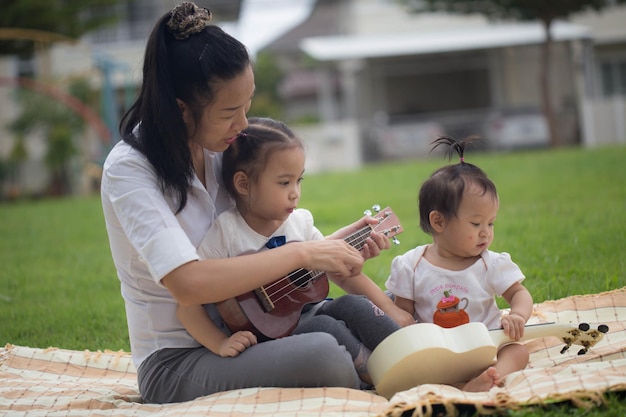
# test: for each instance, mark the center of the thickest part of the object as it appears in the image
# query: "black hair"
(253, 148)
(443, 190)
(185, 69)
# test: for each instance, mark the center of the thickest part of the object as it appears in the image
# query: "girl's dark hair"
(253, 148)
(443, 191)
(178, 68)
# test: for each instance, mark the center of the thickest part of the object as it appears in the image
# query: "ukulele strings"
(356, 240)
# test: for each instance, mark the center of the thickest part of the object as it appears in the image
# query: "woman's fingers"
(336, 256)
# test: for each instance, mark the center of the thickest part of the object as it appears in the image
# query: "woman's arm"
(213, 280)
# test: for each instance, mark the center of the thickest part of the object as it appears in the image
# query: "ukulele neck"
(357, 239)
(532, 331)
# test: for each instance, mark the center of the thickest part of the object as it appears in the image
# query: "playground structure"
(103, 125)
(103, 63)
(90, 117)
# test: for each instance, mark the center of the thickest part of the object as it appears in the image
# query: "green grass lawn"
(562, 213)
(562, 218)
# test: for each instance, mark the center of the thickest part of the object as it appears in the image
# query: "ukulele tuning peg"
(368, 212)
(376, 207)
(395, 240)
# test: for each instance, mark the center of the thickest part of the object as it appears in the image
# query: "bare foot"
(483, 382)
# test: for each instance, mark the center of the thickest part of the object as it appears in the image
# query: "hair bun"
(187, 19)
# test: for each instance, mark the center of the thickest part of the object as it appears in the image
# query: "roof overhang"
(333, 48)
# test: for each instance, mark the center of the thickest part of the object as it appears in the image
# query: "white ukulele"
(425, 353)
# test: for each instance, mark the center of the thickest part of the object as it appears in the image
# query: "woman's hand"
(373, 244)
(333, 256)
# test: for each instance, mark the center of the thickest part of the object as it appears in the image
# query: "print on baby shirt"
(451, 311)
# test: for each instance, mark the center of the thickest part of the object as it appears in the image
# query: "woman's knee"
(327, 361)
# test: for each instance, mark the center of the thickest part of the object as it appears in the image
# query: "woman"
(161, 192)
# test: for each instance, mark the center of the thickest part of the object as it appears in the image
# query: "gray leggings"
(320, 353)
(353, 320)
(303, 360)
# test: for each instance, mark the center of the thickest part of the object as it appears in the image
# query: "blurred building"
(400, 79)
(371, 80)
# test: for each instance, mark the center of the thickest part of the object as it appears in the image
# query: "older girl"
(263, 170)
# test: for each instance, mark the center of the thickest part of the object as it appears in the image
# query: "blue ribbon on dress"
(275, 242)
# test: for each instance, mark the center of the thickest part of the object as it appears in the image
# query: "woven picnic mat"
(550, 375)
(58, 382)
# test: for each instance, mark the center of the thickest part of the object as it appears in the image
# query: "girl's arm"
(361, 284)
(199, 325)
(406, 305)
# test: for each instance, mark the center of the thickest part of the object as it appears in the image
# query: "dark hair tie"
(187, 19)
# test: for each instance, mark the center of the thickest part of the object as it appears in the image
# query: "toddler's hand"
(513, 325)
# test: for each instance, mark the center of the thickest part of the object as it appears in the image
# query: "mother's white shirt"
(148, 240)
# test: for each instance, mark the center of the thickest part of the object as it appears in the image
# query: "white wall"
(604, 121)
(332, 146)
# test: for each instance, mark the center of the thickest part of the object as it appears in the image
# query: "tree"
(12, 165)
(59, 125)
(27, 27)
(544, 11)
(69, 18)
(267, 76)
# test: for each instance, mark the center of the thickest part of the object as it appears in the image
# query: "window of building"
(613, 77)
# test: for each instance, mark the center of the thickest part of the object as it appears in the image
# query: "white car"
(408, 140)
(518, 128)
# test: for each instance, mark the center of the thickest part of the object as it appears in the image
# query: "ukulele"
(273, 310)
(425, 353)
